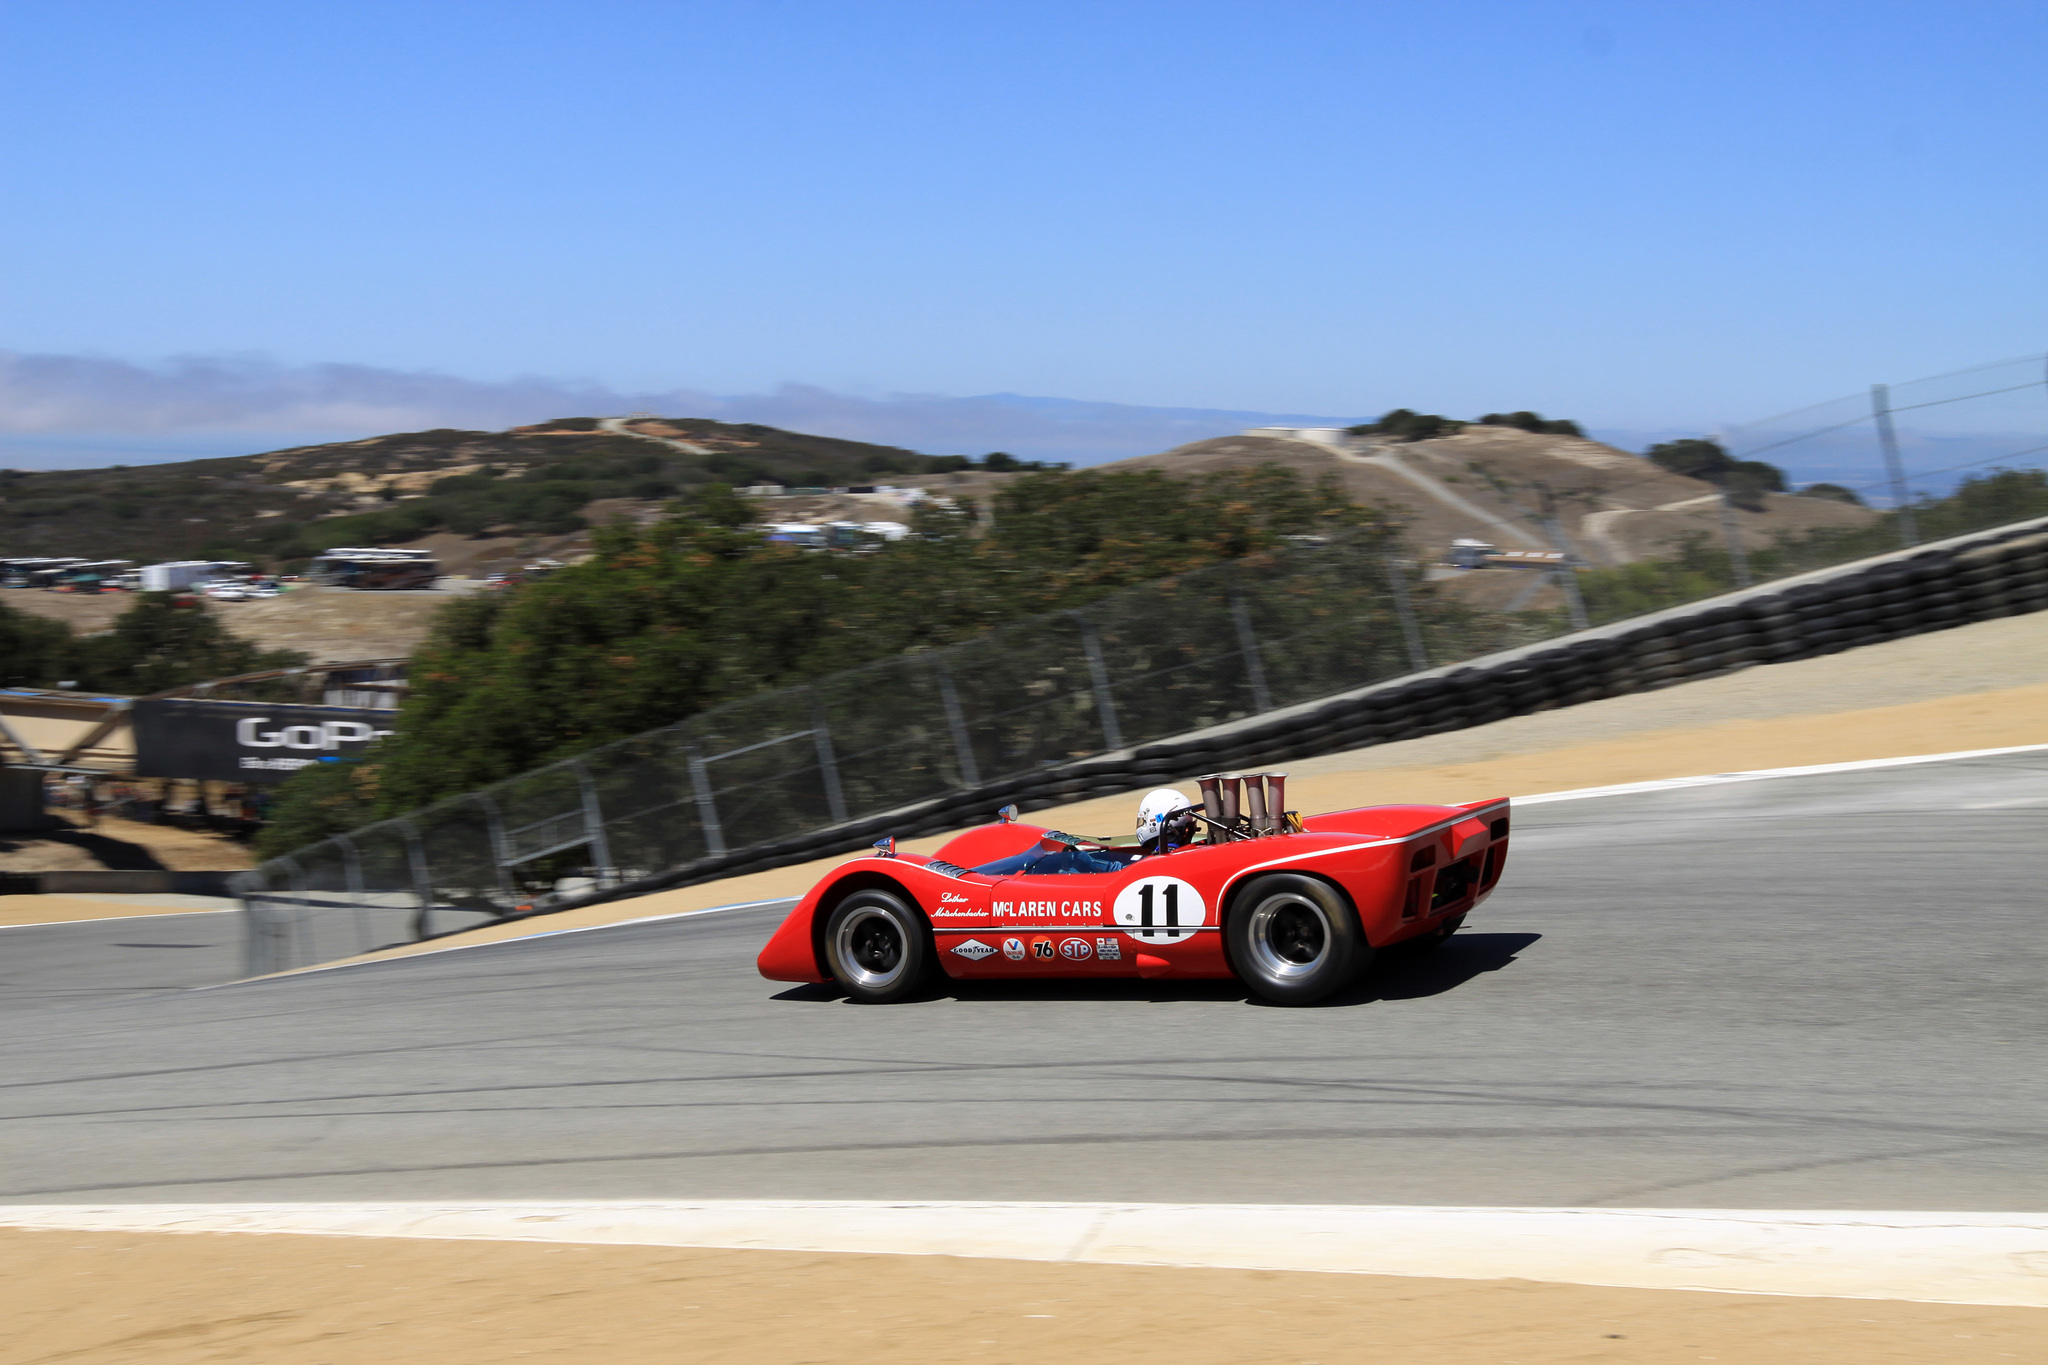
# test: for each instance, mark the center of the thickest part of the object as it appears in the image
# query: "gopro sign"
(227, 741)
(328, 734)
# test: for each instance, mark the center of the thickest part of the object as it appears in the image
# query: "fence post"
(1112, 733)
(1567, 578)
(956, 720)
(422, 880)
(828, 762)
(1254, 666)
(494, 821)
(707, 812)
(1888, 441)
(593, 818)
(298, 904)
(1397, 579)
(352, 861)
(1732, 531)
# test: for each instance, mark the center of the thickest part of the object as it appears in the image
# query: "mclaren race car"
(1233, 886)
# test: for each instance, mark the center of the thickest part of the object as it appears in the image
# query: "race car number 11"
(1160, 909)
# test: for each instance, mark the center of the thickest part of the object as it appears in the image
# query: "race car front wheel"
(1294, 939)
(877, 947)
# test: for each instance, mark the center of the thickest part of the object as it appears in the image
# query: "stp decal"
(1160, 910)
(1076, 949)
(974, 950)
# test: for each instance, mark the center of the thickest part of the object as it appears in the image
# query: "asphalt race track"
(1822, 992)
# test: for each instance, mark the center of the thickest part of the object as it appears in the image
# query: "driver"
(1166, 819)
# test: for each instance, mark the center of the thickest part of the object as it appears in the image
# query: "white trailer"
(180, 574)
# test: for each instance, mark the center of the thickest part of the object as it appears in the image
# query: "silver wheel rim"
(1290, 936)
(872, 947)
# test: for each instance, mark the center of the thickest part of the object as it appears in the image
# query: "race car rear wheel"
(1294, 939)
(877, 947)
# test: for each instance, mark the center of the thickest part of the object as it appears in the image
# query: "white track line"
(1761, 774)
(1978, 1258)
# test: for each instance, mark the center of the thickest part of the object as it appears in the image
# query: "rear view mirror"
(1008, 813)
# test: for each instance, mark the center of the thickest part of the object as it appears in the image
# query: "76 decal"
(1160, 909)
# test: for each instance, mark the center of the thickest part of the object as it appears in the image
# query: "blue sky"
(1651, 217)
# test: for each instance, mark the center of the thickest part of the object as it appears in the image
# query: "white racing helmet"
(1155, 808)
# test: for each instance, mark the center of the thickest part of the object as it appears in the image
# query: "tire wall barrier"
(1979, 577)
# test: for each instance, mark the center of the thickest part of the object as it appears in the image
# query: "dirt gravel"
(184, 1299)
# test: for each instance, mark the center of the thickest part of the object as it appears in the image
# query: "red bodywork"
(1408, 870)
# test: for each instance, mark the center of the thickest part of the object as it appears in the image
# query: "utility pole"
(1888, 441)
(1731, 531)
(1568, 575)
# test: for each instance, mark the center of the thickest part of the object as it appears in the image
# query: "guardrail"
(658, 810)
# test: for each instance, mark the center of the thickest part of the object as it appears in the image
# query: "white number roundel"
(1160, 910)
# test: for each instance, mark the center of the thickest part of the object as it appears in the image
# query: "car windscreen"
(1066, 860)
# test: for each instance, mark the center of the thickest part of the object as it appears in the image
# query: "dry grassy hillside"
(1486, 483)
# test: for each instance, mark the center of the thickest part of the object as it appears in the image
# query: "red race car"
(1233, 886)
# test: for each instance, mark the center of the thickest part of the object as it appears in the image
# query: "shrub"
(1697, 458)
(1534, 422)
(1404, 424)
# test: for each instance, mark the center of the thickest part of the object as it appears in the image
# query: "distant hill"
(482, 499)
(1487, 483)
(510, 486)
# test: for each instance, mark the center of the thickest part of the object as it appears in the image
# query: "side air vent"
(1500, 828)
(1424, 857)
(946, 869)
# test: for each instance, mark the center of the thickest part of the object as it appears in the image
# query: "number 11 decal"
(1160, 910)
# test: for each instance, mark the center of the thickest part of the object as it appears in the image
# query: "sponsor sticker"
(1160, 910)
(1041, 950)
(1076, 949)
(974, 950)
(1107, 950)
(1013, 949)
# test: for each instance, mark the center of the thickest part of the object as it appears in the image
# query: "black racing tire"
(878, 947)
(1293, 939)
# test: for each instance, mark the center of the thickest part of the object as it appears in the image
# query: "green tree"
(1697, 458)
(34, 651)
(1534, 422)
(326, 799)
(1405, 424)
